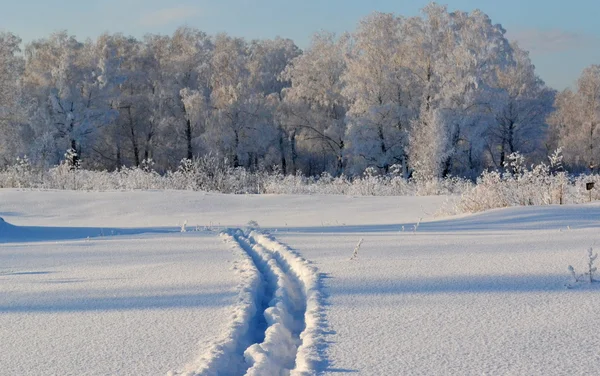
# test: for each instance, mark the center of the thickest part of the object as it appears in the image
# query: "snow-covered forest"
(445, 93)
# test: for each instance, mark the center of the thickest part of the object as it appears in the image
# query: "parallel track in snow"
(276, 328)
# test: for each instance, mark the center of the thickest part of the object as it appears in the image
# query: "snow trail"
(276, 325)
(308, 356)
(225, 356)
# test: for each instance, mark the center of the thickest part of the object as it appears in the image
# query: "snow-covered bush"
(19, 175)
(518, 185)
(579, 193)
(543, 184)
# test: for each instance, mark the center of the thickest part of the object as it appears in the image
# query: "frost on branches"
(412, 100)
(542, 184)
(441, 94)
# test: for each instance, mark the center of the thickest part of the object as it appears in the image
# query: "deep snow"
(105, 283)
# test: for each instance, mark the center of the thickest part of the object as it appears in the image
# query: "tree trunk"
(236, 160)
(75, 156)
(591, 147)
(118, 162)
(383, 147)
(134, 144)
(149, 136)
(502, 155)
(340, 159)
(447, 167)
(511, 137)
(282, 152)
(188, 136)
(294, 152)
(405, 173)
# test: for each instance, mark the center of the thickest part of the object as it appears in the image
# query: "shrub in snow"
(591, 268)
(212, 173)
(416, 226)
(356, 249)
(19, 175)
(542, 184)
(579, 192)
(588, 276)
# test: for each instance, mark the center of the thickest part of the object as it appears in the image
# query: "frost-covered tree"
(12, 142)
(519, 106)
(176, 65)
(239, 126)
(190, 53)
(441, 93)
(228, 80)
(117, 143)
(68, 83)
(575, 123)
(454, 56)
(266, 61)
(381, 92)
(314, 108)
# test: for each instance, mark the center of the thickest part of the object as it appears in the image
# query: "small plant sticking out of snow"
(416, 226)
(587, 276)
(591, 268)
(356, 249)
(184, 226)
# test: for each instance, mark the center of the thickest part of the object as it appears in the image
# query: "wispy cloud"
(541, 41)
(168, 16)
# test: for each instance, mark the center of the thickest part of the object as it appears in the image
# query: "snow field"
(452, 299)
(152, 210)
(111, 306)
(471, 295)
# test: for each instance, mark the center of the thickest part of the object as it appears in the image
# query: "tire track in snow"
(276, 326)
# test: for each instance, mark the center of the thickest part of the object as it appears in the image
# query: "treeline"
(441, 94)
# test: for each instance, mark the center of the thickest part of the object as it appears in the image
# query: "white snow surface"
(106, 284)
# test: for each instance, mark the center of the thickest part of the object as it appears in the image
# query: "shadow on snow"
(460, 284)
(62, 303)
(25, 234)
(509, 219)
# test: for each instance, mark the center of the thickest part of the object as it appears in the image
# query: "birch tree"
(314, 106)
(12, 124)
(577, 119)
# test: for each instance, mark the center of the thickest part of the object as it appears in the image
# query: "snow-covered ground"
(106, 284)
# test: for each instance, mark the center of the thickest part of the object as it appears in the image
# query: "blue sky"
(562, 36)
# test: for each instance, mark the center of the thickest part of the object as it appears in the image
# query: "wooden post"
(589, 186)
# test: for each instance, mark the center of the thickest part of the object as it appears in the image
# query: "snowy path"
(277, 324)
